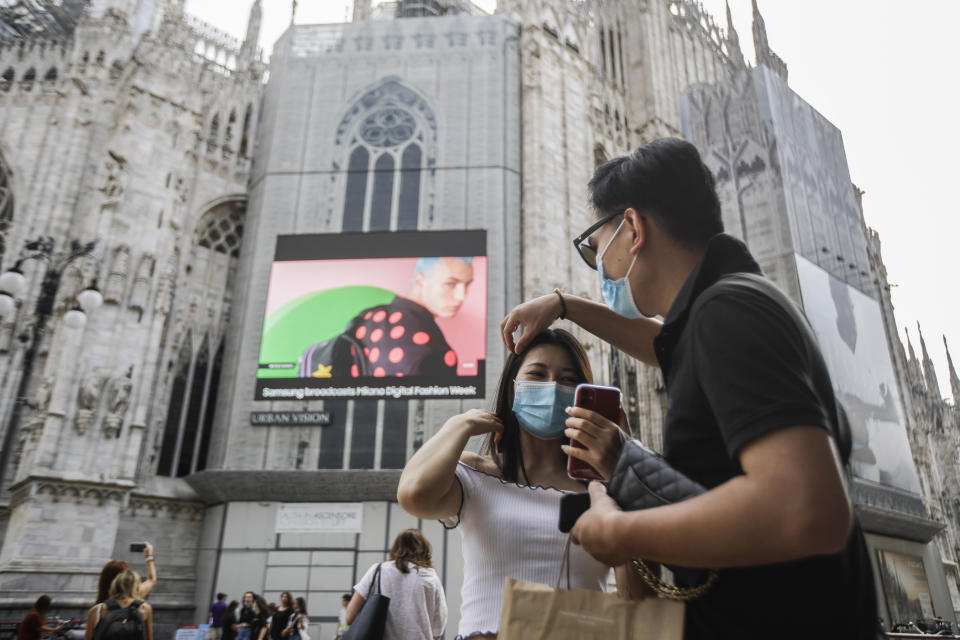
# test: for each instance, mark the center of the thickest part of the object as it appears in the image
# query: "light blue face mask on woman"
(617, 294)
(540, 407)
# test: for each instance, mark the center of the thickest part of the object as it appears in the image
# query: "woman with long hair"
(115, 567)
(230, 622)
(281, 616)
(299, 622)
(124, 592)
(418, 606)
(506, 500)
(252, 618)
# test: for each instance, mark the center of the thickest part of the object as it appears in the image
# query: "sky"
(880, 71)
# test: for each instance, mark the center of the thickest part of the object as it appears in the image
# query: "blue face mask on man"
(617, 294)
(540, 407)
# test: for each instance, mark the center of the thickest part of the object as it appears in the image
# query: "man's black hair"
(666, 180)
(221, 596)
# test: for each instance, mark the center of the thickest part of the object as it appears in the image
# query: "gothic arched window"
(221, 230)
(231, 124)
(6, 203)
(195, 379)
(389, 136)
(215, 127)
(245, 135)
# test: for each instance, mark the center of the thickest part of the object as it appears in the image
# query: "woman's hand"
(147, 550)
(602, 438)
(534, 316)
(477, 422)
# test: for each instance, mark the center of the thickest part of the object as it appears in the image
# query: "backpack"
(121, 623)
(339, 355)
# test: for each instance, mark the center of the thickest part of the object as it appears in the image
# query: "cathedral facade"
(145, 155)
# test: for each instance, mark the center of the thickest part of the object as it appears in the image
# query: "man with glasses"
(752, 414)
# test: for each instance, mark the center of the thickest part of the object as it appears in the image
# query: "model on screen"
(400, 338)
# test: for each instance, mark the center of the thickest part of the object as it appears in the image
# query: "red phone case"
(606, 402)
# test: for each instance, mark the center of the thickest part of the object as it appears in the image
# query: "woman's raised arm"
(428, 488)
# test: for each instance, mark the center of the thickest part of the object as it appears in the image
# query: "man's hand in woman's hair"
(534, 316)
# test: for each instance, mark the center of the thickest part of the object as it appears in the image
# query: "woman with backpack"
(123, 616)
(113, 568)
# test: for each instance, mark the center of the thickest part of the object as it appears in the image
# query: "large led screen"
(905, 584)
(375, 315)
(850, 330)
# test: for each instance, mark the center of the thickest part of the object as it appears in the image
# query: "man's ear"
(637, 226)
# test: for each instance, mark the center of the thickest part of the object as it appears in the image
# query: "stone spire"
(361, 10)
(733, 42)
(914, 373)
(929, 373)
(248, 51)
(765, 55)
(954, 379)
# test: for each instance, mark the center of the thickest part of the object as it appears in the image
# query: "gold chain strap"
(669, 591)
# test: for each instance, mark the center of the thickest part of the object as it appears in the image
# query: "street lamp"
(13, 284)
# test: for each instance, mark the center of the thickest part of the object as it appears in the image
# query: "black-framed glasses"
(582, 242)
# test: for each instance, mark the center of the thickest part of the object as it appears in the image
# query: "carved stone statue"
(118, 404)
(115, 178)
(42, 398)
(41, 401)
(117, 280)
(141, 283)
(166, 285)
(87, 399)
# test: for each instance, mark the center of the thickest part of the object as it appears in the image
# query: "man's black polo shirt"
(739, 361)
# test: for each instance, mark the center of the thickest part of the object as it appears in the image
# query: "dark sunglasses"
(582, 241)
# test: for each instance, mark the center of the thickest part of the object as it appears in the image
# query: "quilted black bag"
(643, 479)
(371, 622)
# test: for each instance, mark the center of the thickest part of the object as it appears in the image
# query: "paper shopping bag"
(538, 612)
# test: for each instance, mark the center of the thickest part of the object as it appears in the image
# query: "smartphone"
(137, 546)
(602, 400)
(572, 506)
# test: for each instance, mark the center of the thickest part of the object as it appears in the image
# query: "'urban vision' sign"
(264, 418)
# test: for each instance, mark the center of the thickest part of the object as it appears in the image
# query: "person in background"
(217, 610)
(266, 616)
(115, 567)
(342, 625)
(418, 606)
(281, 616)
(124, 591)
(252, 618)
(35, 624)
(297, 626)
(229, 622)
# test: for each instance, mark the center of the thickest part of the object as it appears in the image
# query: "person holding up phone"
(115, 567)
(752, 414)
(506, 500)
